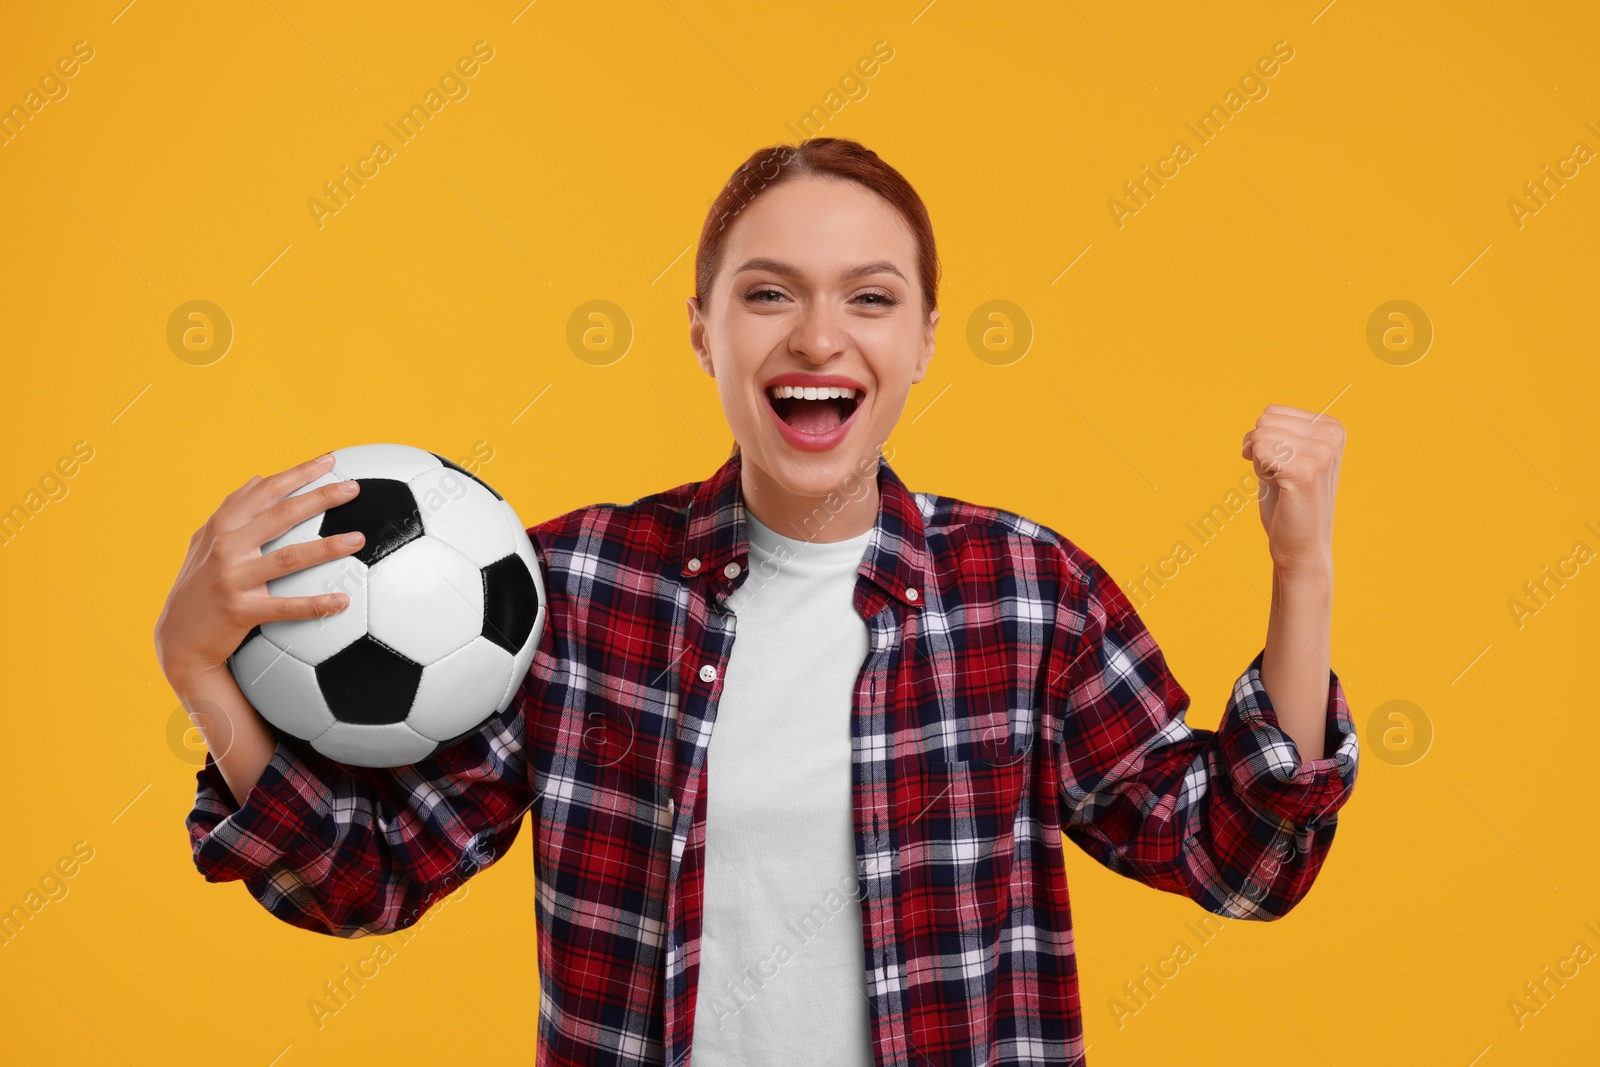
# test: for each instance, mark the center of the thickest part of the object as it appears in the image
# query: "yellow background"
(433, 310)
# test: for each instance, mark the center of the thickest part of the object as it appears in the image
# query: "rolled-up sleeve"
(1265, 765)
(1231, 818)
(277, 822)
(351, 851)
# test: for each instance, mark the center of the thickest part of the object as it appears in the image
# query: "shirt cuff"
(1264, 762)
(278, 822)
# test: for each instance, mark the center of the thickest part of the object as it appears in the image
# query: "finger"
(1266, 475)
(1296, 423)
(1294, 434)
(1323, 426)
(266, 608)
(1285, 409)
(1326, 429)
(1272, 453)
(1323, 443)
(254, 499)
(1290, 436)
(282, 516)
(237, 493)
(1316, 418)
(291, 558)
(226, 516)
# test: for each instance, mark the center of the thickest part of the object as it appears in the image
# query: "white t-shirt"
(782, 968)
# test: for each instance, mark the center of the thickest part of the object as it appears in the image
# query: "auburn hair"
(832, 157)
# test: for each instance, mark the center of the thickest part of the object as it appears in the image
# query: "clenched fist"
(1296, 457)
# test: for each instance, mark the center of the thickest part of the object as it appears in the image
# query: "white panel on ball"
(455, 690)
(282, 688)
(314, 640)
(391, 745)
(424, 600)
(460, 512)
(399, 462)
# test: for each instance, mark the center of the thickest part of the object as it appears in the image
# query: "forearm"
(239, 739)
(1296, 665)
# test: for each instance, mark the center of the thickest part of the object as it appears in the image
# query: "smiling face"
(817, 288)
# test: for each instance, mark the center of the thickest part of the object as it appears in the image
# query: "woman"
(924, 695)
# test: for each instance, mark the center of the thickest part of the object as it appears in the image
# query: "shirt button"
(911, 593)
(672, 807)
(694, 564)
(708, 673)
(731, 570)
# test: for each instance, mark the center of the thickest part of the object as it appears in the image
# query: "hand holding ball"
(446, 608)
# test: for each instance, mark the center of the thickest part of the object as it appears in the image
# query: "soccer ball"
(446, 608)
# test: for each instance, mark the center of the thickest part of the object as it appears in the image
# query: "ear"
(926, 356)
(697, 338)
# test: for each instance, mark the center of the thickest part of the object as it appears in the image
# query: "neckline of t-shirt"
(768, 541)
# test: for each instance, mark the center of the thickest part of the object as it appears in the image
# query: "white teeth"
(827, 392)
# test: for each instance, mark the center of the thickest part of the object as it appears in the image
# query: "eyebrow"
(882, 266)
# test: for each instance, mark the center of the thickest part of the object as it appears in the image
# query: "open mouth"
(814, 410)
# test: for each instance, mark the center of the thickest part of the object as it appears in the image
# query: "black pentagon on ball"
(368, 683)
(468, 473)
(510, 603)
(385, 511)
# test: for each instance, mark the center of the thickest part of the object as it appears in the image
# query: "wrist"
(196, 677)
(1304, 574)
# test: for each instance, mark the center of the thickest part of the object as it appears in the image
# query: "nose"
(819, 333)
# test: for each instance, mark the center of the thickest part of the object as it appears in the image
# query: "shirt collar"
(896, 557)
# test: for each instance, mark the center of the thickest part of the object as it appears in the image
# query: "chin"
(815, 474)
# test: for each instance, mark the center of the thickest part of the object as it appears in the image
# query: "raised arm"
(1296, 458)
(1233, 819)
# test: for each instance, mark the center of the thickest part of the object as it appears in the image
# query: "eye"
(881, 299)
(754, 293)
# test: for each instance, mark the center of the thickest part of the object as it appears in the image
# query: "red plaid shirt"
(1010, 696)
